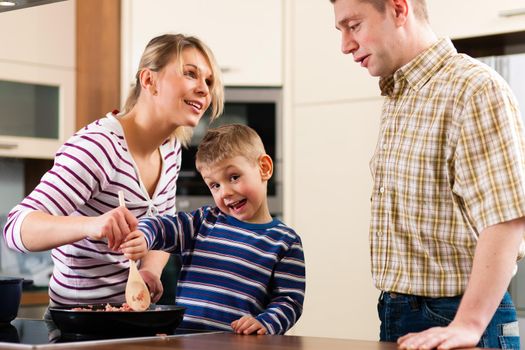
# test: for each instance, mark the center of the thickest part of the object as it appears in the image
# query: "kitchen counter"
(34, 297)
(233, 342)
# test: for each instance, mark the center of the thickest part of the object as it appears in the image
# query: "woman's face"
(182, 97)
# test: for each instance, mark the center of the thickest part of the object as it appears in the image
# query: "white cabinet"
(37, 80)
(332, 112)
(245, 35)
(37, 111)
(329, 208)
(40, 35)
(320, 71)
(468, 18)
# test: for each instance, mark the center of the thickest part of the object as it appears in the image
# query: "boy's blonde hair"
(228, 141)
(159, 52)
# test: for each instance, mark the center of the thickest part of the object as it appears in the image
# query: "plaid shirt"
(449, 162)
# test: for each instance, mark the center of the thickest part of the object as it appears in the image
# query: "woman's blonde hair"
(159, 52)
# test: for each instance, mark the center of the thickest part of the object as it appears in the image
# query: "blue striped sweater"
(232, 268)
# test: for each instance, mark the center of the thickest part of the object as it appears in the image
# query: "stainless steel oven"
(259, 108)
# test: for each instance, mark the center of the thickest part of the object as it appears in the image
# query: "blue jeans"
(401, 314)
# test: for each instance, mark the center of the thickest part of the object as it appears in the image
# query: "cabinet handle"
(512, 13)
(8, 145)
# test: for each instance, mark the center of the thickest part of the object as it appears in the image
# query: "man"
(448, 201)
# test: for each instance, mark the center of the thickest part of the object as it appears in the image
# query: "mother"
(75, 205)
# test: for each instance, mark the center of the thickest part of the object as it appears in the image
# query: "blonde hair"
(159, 52)
(228, 141)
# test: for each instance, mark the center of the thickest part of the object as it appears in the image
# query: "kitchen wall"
(11, 183)
(35, 266)
(11, 192)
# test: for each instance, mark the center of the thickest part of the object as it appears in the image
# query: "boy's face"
(370, 35)
(238, 187)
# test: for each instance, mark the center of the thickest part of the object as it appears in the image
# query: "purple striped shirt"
(89, 170)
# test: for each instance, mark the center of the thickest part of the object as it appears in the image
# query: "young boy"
(241, 269)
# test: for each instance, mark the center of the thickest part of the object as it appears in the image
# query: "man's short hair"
(420, 7)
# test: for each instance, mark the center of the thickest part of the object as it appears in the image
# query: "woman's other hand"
(154, 284)
(115, 225)
(248, 325)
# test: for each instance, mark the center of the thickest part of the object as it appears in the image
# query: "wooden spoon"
(137, 293)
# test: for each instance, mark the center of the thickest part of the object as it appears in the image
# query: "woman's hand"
(134, 248)
(248, 325)
(115, 225)
(154, 284)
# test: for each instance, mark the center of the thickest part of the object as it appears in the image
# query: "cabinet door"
(467, 18)
(329, 207)
(320, 71)
(245, 35)
(37, 110)
(40, 35)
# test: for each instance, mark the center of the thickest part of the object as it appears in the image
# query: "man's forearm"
(494, 262)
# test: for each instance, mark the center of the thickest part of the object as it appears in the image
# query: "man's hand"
(450, 337)
(248, 325)
(494, 262)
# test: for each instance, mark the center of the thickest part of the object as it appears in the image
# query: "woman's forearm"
(41, 231)
(154, 262)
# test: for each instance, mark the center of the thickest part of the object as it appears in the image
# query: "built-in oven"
(259, 108)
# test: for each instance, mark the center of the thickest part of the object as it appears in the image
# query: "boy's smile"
(237, 205)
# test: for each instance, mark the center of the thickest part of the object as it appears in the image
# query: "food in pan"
(108, 307)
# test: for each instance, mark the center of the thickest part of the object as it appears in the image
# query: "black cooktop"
(39, 332)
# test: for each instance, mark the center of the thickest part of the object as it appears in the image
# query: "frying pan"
(156, 319)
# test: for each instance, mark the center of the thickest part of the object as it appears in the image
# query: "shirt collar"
(418, 71)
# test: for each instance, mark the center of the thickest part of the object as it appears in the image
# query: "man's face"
(369, 35)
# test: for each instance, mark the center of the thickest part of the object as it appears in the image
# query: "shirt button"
(381, 189)
(379, 233)
(385, 146)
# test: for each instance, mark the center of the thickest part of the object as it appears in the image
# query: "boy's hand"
(135, 246)
(248, 325)
(114, 225)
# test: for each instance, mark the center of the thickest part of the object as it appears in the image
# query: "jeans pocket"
(440, 313)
